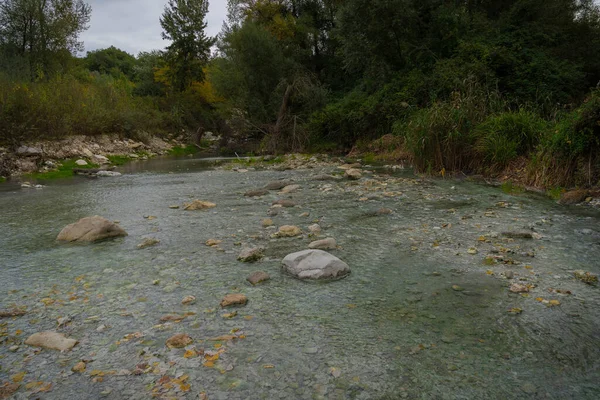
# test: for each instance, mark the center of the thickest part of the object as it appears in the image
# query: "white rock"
(108, 174)
(87, 153)
(315, 228)
(98, 159)
(315, 265)
(289, 189)
(81, 163)
(29, 151)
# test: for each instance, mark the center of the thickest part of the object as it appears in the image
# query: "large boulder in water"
(90, 229)
(315, 265)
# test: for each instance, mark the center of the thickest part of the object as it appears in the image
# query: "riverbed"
(425, 314)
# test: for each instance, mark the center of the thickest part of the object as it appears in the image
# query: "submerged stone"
(90, 229)
(198, 205)
(277, 185)
(256, 193)
(287, 231)
(51, 340)
(234, 300)
(179, 341)
(315, 265)
(258, 277)
(250, 255)
(325, 244)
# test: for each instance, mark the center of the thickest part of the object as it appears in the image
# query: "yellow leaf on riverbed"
(18, 378)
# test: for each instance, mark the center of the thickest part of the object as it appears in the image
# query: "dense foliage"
(472, 85)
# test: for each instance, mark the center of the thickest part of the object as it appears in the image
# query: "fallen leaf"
(18, 378)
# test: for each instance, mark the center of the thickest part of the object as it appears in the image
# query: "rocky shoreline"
(45, 156)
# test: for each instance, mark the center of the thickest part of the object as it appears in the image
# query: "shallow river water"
(420, 317)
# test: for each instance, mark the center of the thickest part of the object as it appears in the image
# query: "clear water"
(394, 329)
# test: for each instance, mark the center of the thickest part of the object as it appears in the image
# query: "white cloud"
(133, 25)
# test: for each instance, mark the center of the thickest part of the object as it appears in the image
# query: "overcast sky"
(133, 26)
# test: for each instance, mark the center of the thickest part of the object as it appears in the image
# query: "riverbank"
(47, 157)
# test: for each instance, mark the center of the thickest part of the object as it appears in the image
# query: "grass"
(65, 170)
(190, 149)
(118, 160)
(2, 179)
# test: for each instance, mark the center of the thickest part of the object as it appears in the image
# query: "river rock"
(90, 229)
(51, 340)
(198, 205)
(187, 300)
(287, 231)
(256, 193)
(519, 288)
(349, 166)
(258, 277)
(98, 159)
(179, 341)
(325, 244)
(79, 367)
(26, 151)
(284, 203)
(315, 265)
(315, 228)
(81, 163)
(234, 300)
(574, 197)
(277, 185)
(267, 222)
(324, 178)
(251, 254)
(289, 189)
(148, 242)
(518, 235)
(353, 174)
(108, 174)
(213, 242)
(586, 277)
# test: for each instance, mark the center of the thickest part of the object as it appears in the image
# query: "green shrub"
(502, 138)
(569, 154)
(440, 138)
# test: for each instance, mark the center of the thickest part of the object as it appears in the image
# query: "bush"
(440, 138)
(502, 138)
(569, 154)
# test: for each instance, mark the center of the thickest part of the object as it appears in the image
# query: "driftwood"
(12, 313)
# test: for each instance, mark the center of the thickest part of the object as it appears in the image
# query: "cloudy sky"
(133, 26)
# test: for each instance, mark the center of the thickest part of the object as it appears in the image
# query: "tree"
(184, 23)
(111, 61)
(42, 30)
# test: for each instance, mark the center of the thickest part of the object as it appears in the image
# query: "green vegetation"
(472, 86)
(184, 151)
(65, 170)
(118, 160)
(2, 179)
(509, 187)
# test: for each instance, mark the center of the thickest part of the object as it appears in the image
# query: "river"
(425, 313)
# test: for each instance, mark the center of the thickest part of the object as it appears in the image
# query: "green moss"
(64, 171)
(2, 179)
(184, 151)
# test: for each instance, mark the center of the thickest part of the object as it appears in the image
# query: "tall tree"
(42, 29)
(184, 23)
